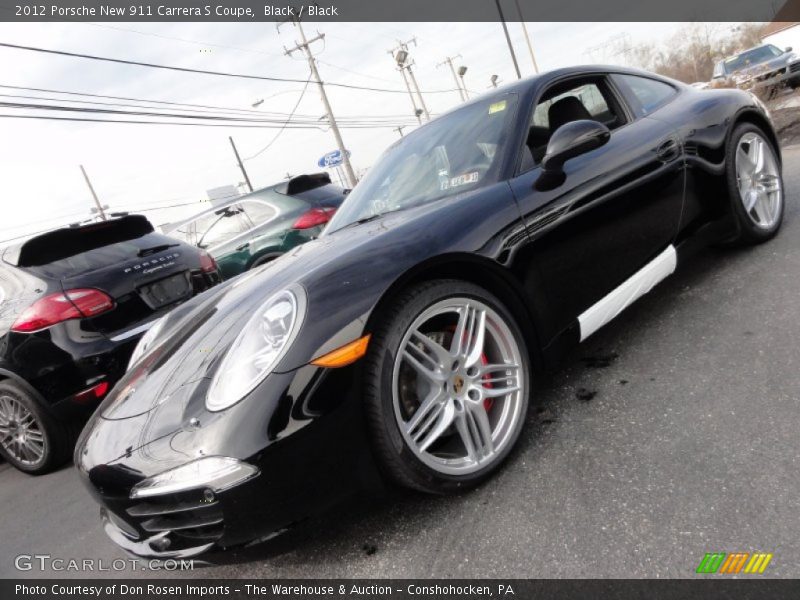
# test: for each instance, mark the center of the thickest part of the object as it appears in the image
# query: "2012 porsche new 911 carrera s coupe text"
(402, 345)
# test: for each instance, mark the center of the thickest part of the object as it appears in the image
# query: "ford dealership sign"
(332, 159)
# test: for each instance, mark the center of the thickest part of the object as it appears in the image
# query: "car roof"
(745, 51)
(283, 188)
(523, 86)
(62, 242)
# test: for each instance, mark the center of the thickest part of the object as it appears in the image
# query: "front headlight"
(264, 340)
(147, 341)
(217, 473)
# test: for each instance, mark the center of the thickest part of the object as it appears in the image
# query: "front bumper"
(789, 74)
(304, 432)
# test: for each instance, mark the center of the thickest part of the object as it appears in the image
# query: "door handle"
(244, 246)
(668, 150)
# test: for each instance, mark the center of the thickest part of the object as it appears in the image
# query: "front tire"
(447, 380)
(30, 439)
(755, 185)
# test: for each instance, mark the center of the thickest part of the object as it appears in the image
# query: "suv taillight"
(207, 263)
(314, 217)
(55, 308)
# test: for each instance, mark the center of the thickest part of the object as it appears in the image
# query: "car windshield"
(458, 152)
(751, 57)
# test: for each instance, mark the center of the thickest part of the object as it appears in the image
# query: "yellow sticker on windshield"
(497, 107)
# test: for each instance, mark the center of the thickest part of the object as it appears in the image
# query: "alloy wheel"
(21, 434)
(758, 179)
(458, 386)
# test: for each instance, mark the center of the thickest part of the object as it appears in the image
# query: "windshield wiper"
(148, 251)
(370, 218)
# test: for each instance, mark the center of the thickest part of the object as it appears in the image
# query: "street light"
(401, 56)
(461, 72)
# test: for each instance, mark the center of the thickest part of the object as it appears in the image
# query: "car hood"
(344, 274)
(193, 341)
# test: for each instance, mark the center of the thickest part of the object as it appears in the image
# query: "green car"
(258, 227)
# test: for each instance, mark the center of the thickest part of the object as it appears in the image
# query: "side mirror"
(568, 141)
(788, 49)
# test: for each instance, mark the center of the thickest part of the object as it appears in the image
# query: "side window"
(258, 212)
(566, 102)
(227, 224)
(652, 94)
(192, 231)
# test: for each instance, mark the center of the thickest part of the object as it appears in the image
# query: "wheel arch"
(479, 271)
(6, 375)
(264, 257)
(751, 115)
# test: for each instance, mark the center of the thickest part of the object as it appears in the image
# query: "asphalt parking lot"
(671, 433)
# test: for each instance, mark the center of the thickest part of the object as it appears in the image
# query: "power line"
(202, 71)
(299, 124)
(287, 119)
(128, 98)
(282, 129)
(184, 40)
(164, 102)
(124, 104)
(143, 122)
(352, 72)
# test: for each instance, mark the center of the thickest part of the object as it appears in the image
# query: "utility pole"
(527, 37)
(400, 54)
(399, 129)
(312, 63)
(508, 38)
(94, 195)
(449, 62)
(419, 94)
(417, 110)
(241, 165)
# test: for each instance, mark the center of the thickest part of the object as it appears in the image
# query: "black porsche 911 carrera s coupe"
(403, 344)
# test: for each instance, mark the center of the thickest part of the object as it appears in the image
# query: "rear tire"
(31, 439)
(264, 260)
(448, 424)
(755, 185)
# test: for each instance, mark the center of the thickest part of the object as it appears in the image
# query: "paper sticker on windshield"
(464, 179)
(497, 107)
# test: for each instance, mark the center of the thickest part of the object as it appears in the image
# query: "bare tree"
(689, 55)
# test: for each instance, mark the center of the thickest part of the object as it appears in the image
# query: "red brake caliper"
(487, 403)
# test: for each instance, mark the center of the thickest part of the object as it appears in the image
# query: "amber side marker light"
(346, 355)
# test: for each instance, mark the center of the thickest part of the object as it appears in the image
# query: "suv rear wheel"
(30, 439)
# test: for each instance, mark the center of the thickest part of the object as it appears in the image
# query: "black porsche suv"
(73, 304)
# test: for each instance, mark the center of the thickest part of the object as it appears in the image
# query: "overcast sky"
(144, 166)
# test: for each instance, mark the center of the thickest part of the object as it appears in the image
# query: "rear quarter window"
(258, 212)
(650, 93)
